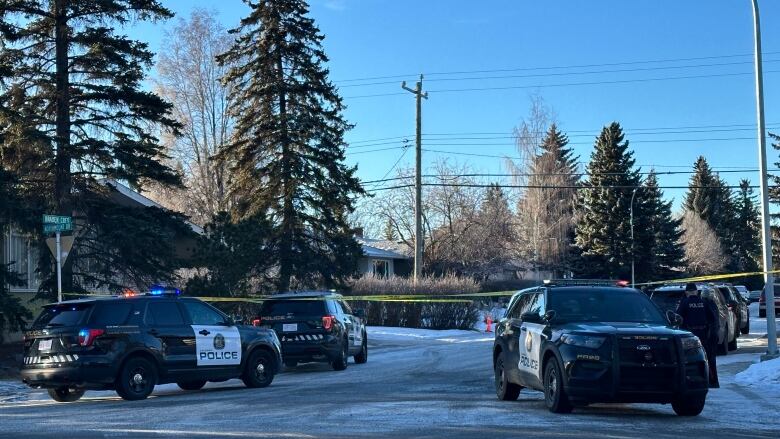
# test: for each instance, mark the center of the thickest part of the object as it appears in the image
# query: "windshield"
(593, 305)
(62, 315)
(293, 307)
(668, 300)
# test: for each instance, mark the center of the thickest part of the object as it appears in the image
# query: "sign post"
(58, 224)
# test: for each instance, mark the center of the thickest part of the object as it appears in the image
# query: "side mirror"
(531, 317)
(550, 315)
(674, 318)
(360, 313)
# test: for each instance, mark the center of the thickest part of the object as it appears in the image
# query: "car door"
(217, 340)
(172, 337)
(356, 326)
(530, 340)
(508, 330)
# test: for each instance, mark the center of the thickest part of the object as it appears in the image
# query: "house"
(383, 258)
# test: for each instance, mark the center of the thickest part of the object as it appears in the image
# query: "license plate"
(44, 345)
(289, 327)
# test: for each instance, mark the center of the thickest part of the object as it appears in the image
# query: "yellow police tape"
(450, 298)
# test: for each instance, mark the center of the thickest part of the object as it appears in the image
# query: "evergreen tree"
(73, 110)
(747, 233)
(774, 198)
(288, 144)
(711, 199)
(12, 312)
(546, 209)
(667, 252)
(603, 232)
(389, 231)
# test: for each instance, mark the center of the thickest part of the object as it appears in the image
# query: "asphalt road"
(412, 386)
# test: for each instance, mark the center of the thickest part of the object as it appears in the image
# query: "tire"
(733, 344)
(688, 407)
(362, 356)
(746, 329)
(554, 396)
(723, 347)
(259, 370)
(66, 394)
(191, 385)
(136, 379)
(342, 362)
(505, 390)
(762, 313)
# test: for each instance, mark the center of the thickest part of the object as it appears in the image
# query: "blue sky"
(379, 38)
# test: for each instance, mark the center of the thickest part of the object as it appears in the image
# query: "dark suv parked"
(316, 326)
(738, 305)
(130, 344)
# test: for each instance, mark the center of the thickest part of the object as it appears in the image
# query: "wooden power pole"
(418, 233)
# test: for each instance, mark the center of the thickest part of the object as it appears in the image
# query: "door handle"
(204, 332)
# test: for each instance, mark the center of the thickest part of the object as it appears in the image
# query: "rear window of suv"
(297, 307)
(62, 315)
(668, 300)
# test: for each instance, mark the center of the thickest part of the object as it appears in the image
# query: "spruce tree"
(603, 233)
(774, 198)
(711, 199)
(12, 313)
(667, 252)
(288, 144)
(747, 229)
(546, 209)
(74, 111)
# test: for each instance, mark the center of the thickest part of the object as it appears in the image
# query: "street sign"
(66, 243)
(57, 223)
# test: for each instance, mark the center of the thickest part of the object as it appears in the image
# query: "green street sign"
(57, 223)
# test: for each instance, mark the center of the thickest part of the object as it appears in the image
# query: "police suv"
(316, 326)
(131, 343)
(586, 342)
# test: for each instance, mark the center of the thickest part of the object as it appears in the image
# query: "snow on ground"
(384, 333)
(764, 375)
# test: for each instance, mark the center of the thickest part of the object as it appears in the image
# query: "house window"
(380, 268)
(21, 255)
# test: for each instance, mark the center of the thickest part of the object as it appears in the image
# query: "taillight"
(327, 322)
(87, 336)
(257, 321)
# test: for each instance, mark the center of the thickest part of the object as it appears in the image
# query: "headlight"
(584, 341)
(691, 343)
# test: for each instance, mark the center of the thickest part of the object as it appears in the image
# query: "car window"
(345, 307)
(535, 305)
(164, 314)
(111, 313)
(202, 314)
(293, 307)
(62, 315)
(520, 304)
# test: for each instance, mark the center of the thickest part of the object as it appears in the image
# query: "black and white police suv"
(590, 343)
(316, 326)
(132, 343)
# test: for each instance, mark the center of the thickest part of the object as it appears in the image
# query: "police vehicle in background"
(316, 326)
(131, 343)
(584, 342)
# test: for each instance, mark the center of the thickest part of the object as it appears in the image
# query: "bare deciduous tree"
(703, 251)
(189, 77)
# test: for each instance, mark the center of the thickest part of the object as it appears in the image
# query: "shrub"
(413, 314)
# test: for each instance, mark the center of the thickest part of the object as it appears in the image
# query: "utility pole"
(633, 195)
(766, 237)
(418, 233)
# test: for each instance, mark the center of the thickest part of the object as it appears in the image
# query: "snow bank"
(765, 374)
(405, 334)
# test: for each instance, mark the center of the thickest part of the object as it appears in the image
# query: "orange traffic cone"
(489, 321)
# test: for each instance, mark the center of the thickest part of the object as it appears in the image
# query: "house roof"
(142, 200)
(380, 248)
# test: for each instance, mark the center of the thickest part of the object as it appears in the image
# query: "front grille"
(647, 350)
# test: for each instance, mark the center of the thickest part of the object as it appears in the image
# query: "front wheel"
(137, 379)
(733, 344)
(362, 357)
(66, 394)
(746, 329)
(688, 407)
(191, 385)
(554, 396)
(259, 370)
(505, 390)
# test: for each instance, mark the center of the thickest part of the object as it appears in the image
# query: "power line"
(384, 177)
(575, 66)
(569, 84)
(576, 187)
(571, 174)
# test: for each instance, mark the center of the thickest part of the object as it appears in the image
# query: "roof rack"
(585, 283)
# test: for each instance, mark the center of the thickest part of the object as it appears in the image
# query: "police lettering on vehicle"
(217, 345)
